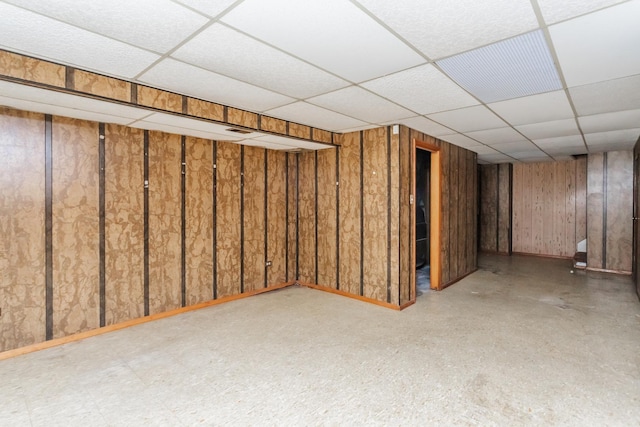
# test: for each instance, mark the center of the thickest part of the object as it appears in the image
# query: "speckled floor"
(520, 342)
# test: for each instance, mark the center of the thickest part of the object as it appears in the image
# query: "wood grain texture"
(327, 250)
(301, 131)
(35, 70)
(472, 213)
(273, 125)
(292, 209)
(307, 219)
(254, 219)
(375, 214)
(581, 199)
(321, 135)
(619, 211)
(165, 234)
(395, 240)
(159, 99)
(277, 217)
(595, 210)
(22, 249)
(75, 226)
(199, 220)
(104, 86)
(504, 212)
(405, 187)
(124, 224)
(350, 213)
(445, 213)
(489, 198)
(242, 118)
(228, 219)
(205, 109)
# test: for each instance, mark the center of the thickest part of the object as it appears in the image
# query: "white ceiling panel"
(512, 68)
(496, 136)
(312, 115)
(423, 89)
(189, 80)
(554, 11)
(469, 119)
(610, 121)
(483, 149)
(296, 143)
(234, 54)
(265, 144)
(332, 34)
(496, 158)
(361, 104)
(177, 130)
(515, 147)
(135, 22)
(199, 125)
(56, 110)
(460, 140)
(444, 27)
(43, 37)
(606, 48)
(544, 107)
(80, 103)
(208, 7)
(605, 97)
(615, 139)
(549, 129)
(357, 128)
(529, 155)
(571, 142)
(425, 125)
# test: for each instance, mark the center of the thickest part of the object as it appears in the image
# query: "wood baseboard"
(357, 297)
(458, 279)
(133, 322)
(604, 270)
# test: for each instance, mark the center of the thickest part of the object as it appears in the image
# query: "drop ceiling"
(513, 80)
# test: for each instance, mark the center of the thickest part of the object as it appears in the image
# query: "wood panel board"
(619, 231)
(159, 99)
(103, 86)
(307, 219)
(31, 69)
(277, 217)
(327, 248)
(254, 218)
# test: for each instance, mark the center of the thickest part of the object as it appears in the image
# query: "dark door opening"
(423, 221)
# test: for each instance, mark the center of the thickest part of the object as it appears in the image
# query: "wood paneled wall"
(494, 231)
(549, 200)
(610, 211)
(458, 209)
(85, 244)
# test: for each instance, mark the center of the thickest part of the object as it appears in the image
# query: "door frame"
(434, 214)
(635, 256)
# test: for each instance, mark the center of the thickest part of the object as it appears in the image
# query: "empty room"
(337, 212)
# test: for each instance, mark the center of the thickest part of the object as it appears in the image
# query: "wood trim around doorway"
(434, 213)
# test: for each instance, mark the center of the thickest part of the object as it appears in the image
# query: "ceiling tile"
(445, 27)
(208, 7)
(423, 124)
(549, 129)
(135, 22)
(357, 128)
(178, 130)
(460, 140)
(544, 107)
(189, 80)
(605, 97)
(495, 158)
(483, 149)
(423, 89)
(512, 68)
(332, 34)
(199, 125)
(531, 155)
(515, 147)
(30, 33)
(554, 11)
(566, 142)
(361, 104)
(496, 136)
(234, 54)
(469, 119)
(292, 142)
(264, 144)
(610, 121)
(615, 139)
(312, 115)
(597, 53)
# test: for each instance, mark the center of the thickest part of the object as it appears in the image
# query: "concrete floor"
(520, 342)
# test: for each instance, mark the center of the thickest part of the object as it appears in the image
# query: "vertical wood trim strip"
(242, 219)
(400, 187)
(498, 208)
(48, 221)
(510, 208)
(134, 93)
(297, 217)
(146, 222)
(412, 213)
(183, 215)
(185, 105)
(604, 210)
(388, 214)
(101, 214)
(69, 78)
(315, 212)
(286, 226)
(214, 145)
(266, 215)
(361, 213)
(337, 218)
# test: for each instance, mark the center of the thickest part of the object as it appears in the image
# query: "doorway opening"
(426, 217)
